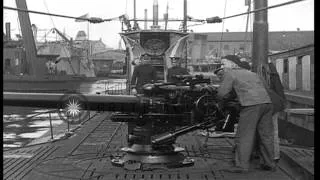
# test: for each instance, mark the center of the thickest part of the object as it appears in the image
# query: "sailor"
(231, 106)
(143, 73)
(255, 115)
(176, 69)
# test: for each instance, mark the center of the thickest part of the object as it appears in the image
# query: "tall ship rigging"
(47, 66)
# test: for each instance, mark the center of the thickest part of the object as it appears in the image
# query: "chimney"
(8, 31)
(145, 19)
(298, 29)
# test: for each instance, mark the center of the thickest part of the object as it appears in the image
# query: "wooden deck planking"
(88, 158)
(20, 169)
(28, 167)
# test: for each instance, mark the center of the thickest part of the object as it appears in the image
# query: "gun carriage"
(170, 110)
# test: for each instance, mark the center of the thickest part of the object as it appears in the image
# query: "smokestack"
(8, 31)
(145, 19)
(155, 15)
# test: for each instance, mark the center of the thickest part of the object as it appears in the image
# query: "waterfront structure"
(210, 45)
(296, 68)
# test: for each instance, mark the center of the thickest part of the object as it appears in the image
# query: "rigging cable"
(253, 11)
(92, 19)
(99, 20)
(45, 4)
(247, 25)
(63, 49)
(224, 15)
(263, 9)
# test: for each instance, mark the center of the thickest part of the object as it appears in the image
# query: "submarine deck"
(86, 155)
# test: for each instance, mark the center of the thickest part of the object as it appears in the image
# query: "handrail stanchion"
(68, 124)
(105, 87)
(50, 125)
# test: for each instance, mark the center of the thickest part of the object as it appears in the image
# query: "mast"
(260, 36)
(145, 19)
(134, 15)
(184, 26)
(28, 39)
(165, 16)
(155, 15)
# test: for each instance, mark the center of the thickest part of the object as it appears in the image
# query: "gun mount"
(172, 110)
(155, 118)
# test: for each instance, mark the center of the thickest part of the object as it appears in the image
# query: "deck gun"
(172, 110)
(155, 118)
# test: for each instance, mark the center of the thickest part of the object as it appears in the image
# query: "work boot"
(236, 169)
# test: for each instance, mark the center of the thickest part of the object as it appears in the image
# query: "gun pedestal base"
(141, 154)
(144, 157)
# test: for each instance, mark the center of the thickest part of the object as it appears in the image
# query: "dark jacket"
(274, 87)
(176, 70)
(143, 74)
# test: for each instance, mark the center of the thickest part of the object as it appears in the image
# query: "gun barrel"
(125, 103)
(168, 136)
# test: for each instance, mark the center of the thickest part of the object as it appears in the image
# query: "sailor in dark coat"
(176, 69)
(143, 73)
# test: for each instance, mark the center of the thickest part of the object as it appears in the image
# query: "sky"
(286, 18)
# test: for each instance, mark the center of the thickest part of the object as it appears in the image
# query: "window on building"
(7, 64)
(299, 60)
(242, 46)
(285, 65)
(226, 47)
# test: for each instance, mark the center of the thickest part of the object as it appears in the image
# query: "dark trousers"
(255, 121)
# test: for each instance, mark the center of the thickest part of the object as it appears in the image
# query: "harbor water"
(23, 125)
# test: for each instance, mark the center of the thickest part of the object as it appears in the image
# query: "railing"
(69, 129)
(296, 123)
(303, 104)
(113, 88)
